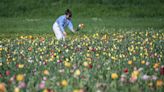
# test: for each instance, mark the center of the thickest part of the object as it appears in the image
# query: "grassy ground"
(29, 26)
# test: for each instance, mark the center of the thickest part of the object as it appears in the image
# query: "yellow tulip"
(143, 62)
(97, 55)
(67, 59)
(85, 64)
(135, 74)
(30, 37)
(75, 90)
(64, 83)
(20, 77)
(159, 83)
(156, 65)
(46, 72)
(77, 72)
(21, 37)
(130, 62)
(114, 76)
(67, 64)
(2, 87)
(21, 65)
(16, 89)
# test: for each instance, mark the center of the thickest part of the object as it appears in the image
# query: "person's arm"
(70, 26)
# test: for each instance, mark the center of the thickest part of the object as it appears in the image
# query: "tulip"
(147, 63)
(42, 85)
(64, 83)
(44, 78)
(20, 65)
(130, 62)
(22, 85)
(1, 75)
(153, 77)
(59, 61)
(16, 89)
(126, 70)
(123, 78)
(30, 49)
(90, 66)
(159, 83)
(20, 77)
(145, 77)
(85, 64)
(77, 72)
(114, 75)
(2, 87)
(0, 63)
(7, 72)
(67, 64)
(156, 65)
(162, 70)
(46, 72)
(142, 62)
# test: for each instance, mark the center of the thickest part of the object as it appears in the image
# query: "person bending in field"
(61, 23)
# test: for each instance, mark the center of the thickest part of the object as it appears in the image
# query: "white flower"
(153, 77)
(147, 63)
(145, 77)
(140, 69)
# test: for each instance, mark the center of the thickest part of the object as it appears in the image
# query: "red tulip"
(93, 49)
(162, 70)
(1, 75)
(17, 65)
(7, 72)
(126, 70)
(90, 66)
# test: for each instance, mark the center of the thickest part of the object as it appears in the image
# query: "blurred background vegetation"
(82, 8)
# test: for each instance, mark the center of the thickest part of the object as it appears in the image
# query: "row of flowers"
(84, 63)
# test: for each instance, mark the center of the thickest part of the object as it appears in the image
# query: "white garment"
(58, 33)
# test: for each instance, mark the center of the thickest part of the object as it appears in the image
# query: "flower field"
(113, 62)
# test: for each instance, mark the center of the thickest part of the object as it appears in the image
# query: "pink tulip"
(22, 85)
(42, 85)
(1, 75)
(133, 79)
(7, 72)
(44, 78)
(123, 78)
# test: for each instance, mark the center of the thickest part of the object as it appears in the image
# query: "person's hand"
(65, 34)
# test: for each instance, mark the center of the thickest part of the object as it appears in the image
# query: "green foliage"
(88, 8)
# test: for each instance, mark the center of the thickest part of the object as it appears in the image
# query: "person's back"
(61, 23)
